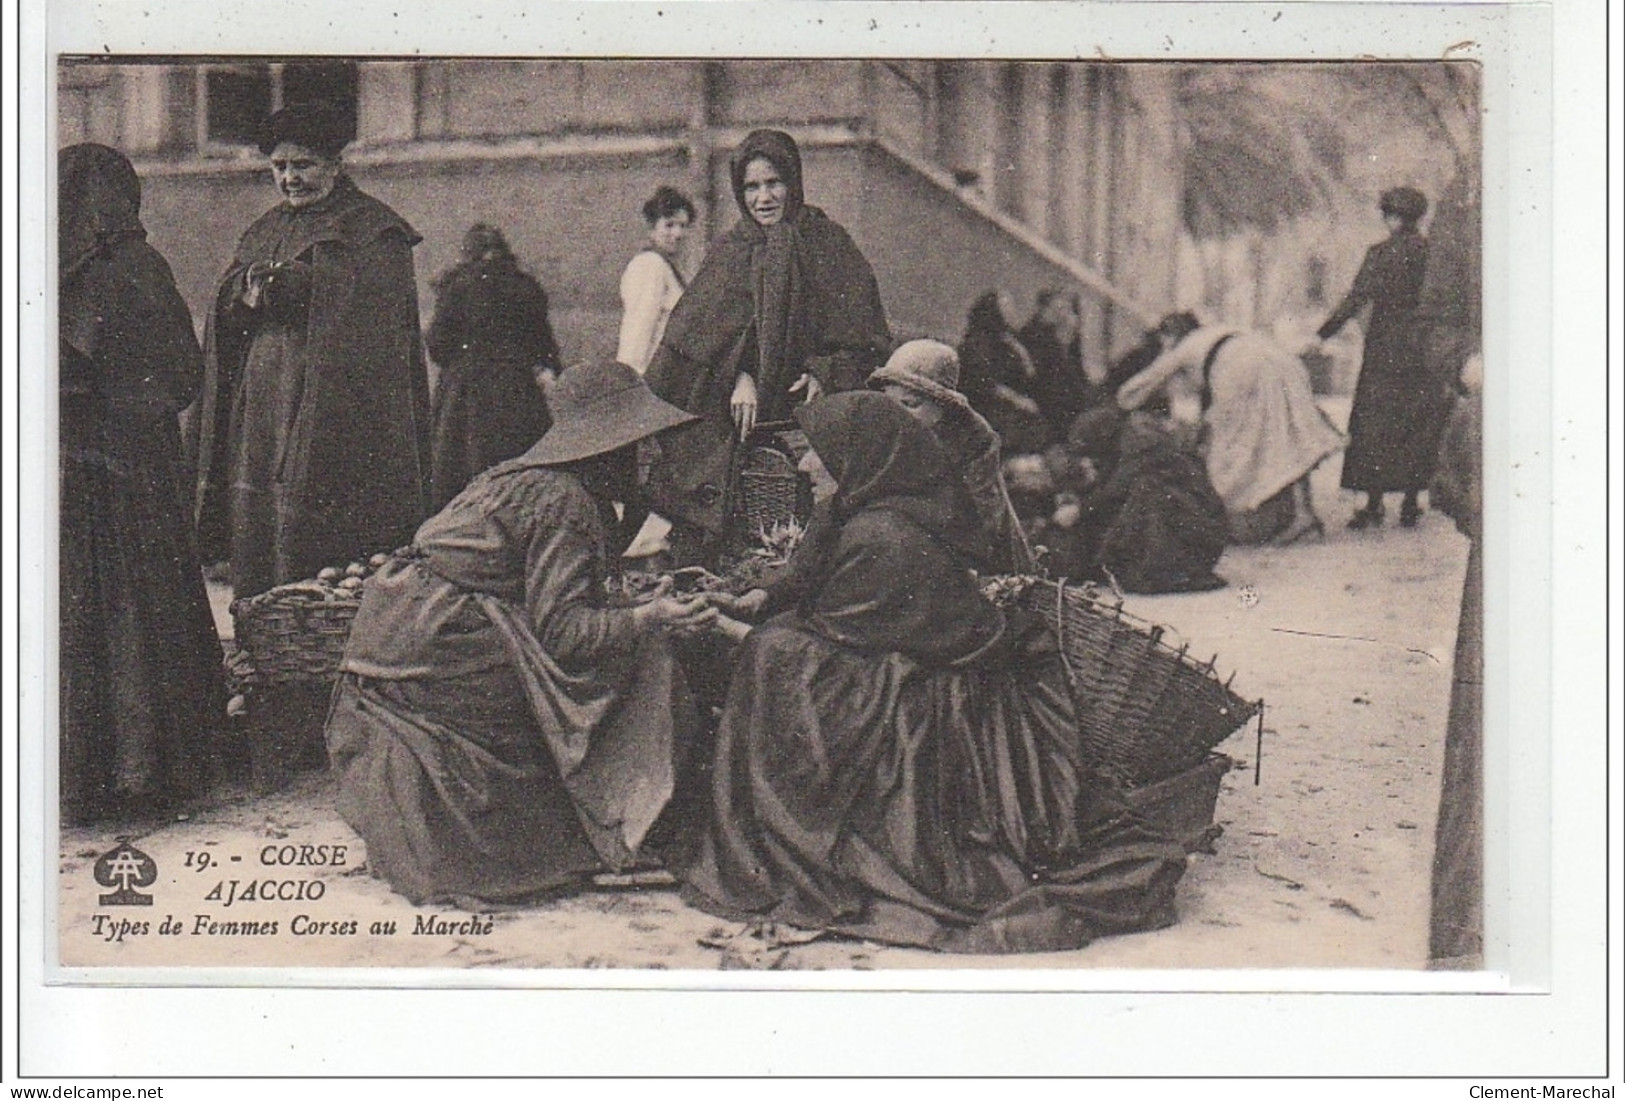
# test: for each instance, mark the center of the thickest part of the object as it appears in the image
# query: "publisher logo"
(125, 868)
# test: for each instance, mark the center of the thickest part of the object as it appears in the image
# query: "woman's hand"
(745, 605)
(743, 405)
(808, 382)
(1016, 398)
(676, 615)
(731, 628)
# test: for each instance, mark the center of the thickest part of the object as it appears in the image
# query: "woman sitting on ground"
(497, 729)
(923, 377)
(1138, 511)
(898, 758)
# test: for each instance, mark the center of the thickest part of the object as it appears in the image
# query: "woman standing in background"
(652, 283)
(313, 427)
(1398, 410)
(141, 688)
(493, 343)
(784, 308)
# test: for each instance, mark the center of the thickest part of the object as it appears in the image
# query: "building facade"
(953, 177)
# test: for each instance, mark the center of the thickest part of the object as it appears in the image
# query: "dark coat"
(1059, 385)
(991, 356)
(1399, 407)
(772, 302)
(1152, 523)
(498, 728)
(313, 429)
(898, 759)
(490, 336)
(142, 690)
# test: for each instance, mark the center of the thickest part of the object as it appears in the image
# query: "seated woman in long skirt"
(497, 730)
(897, 758)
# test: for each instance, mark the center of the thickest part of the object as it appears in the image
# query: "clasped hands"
(279, 279)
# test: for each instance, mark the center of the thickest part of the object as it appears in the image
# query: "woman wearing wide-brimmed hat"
(499, 729)
(1399, 409)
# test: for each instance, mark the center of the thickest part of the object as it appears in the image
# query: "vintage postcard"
(881, 514)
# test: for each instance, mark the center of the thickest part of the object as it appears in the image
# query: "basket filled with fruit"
(296, 632)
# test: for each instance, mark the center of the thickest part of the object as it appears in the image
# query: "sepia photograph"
(769, 514)
(641, 511)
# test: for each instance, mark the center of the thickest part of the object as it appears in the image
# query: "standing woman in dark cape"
(1399, 409)
(898, 758)
(313, 429)
(141, 687)
(492, 341)
(784, 308)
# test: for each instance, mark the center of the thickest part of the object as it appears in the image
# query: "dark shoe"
(1409, 514)
(1366, 518)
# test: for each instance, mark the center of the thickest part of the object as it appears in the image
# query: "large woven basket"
(1146, 711)
(294, 633)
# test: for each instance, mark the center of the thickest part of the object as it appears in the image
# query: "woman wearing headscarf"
(784, 308)
(492, 341)
(1141, 514)
(141, 690)
(1399, 408)
(313, 428)
(999, 375)
(898, 758)
(1260, 429)
(652, 283)
(923, 377)
(1053, 338)
(498, 728)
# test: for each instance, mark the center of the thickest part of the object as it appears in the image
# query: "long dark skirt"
(1394, 427)
(142, 688)
(453, 788)
(950, 809)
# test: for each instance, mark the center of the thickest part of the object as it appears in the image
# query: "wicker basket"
(771, 490)
(1145, 710)
(295, 633)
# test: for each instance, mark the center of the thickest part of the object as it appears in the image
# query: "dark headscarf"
(986, 321)
(98, 203)
(879, 455)
(484, 248)
(780, 150)
(801, 283)
(485, 242)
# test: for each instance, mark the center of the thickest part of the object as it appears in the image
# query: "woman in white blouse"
(652, 282)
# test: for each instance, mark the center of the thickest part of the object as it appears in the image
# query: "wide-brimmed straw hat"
(928, 367)
(598, 408)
